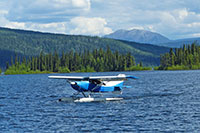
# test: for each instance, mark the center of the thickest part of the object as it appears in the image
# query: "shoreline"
(23, 73)
(94, 72)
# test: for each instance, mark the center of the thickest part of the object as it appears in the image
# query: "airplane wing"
(68, 77)
(120, 76)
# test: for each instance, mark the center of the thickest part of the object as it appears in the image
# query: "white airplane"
(95, 84)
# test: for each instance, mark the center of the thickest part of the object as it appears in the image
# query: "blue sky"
(172, 18)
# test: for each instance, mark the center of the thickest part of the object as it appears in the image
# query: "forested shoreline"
(184, 58)
(31, 43)
(97, 60)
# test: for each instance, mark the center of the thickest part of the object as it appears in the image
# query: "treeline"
(97, 60)
(184, 58)
(30, 43)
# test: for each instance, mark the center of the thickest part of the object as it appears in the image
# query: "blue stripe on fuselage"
(87, 86)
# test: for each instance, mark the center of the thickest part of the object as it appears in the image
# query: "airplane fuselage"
(105, 86)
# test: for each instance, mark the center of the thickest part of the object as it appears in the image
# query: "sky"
(174, 19)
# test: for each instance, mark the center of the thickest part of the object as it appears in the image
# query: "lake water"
(160, 101)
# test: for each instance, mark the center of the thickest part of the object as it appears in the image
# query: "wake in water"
(103, 99)
(153, 95)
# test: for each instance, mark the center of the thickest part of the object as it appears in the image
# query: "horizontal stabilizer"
(132, 77)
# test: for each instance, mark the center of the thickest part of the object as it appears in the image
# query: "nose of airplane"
(73, 83)
(75, 86)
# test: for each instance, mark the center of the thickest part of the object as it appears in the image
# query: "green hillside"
(32, 43)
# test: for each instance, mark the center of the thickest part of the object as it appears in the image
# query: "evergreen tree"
(56, 62)
(62, 60)
(187, 57)
(35, 64)
(141, 65)
(7, 65)
(97, 60)
(41, 61)
(172, 57)
(51, 66)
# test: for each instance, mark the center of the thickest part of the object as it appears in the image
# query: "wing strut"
(83, 94)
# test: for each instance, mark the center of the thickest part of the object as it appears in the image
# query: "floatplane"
(88, 85)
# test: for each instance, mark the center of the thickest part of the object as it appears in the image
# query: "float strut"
(83, 94)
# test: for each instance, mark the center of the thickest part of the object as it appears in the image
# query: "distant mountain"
(180, 42)
(141, 36)
(30, 43)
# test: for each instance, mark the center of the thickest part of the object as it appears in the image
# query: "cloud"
(85, 4)
(137, 27)
(176, 24)
(172, 18)
(58, 27)
(46, 11)
(15, 25)
(5, 23)
(89, 26)
(50, 27)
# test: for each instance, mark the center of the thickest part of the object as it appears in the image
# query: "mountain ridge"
(144, 36)
(31, 43)
(141, 36)
(180, 42)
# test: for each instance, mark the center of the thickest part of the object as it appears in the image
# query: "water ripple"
(159, 101)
